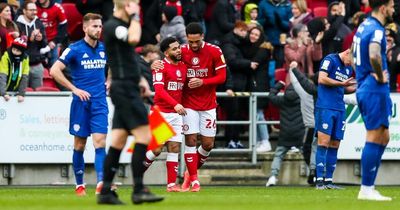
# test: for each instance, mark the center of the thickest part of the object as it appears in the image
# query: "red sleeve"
(62, 18)
(160, 91)
(218, 79)
(158, 83)
(220, 69)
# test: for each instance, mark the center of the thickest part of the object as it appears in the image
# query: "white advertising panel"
(37, 131)
(355, 133)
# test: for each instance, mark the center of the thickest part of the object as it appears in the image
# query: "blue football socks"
(320, 160)
(369, 163)
(78, 163)
(99, 163)
(331, 159)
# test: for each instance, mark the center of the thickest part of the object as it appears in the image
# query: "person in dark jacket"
(259, 51)
(274, 16)
(240, 69)
(193, 11)
(102, 7)
(148, 54)
(393, 54)
(31, 27)
(223, 21)
(291, 122)
(334, 37)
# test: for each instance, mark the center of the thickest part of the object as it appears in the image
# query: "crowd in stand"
(258, 38)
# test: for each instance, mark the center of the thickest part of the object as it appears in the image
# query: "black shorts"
(129, 110)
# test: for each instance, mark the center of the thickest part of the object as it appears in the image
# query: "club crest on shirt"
(159, 76)
(195, 61)
(44, 15)
(102, 54)
(178, 73)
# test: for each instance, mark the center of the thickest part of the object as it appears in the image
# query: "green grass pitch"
(209, 198)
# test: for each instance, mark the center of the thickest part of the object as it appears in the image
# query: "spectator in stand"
(14, 70)
(274, 16)
(54, 20)
(194, 10)
(149, 54)
(396, 15)
(223, 21)
(174, 25)
(240, 69)
(30, 26)
(317, 27)
(357, 19)
(259, 51)
(333, 39)
(292, 127)
(15, 6)
(352, 7)
(300, 13)
(8, 29)
(365, 7)
(102, 7)
(250, 14)
(393, 54)
(152, 20)
(302, 49)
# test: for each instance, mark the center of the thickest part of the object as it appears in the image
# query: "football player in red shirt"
(206, 70)
(168, 85)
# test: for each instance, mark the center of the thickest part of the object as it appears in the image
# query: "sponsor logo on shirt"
(191, 73)
(175, 86)
(94, 63)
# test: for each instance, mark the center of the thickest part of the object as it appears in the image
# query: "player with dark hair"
(168, 85)
(373, 92)
(206, 69)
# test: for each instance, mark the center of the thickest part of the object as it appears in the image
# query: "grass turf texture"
(209, 198)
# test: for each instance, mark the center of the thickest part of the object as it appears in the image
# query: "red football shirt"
(168, 85)
(52, 17)
(202, 64)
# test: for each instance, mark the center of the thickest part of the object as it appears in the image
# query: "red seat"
(46, 73)
(320, 12)
(74, 18)
(280, 74)
(29, 89)
(49, 82)
(51, 89)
